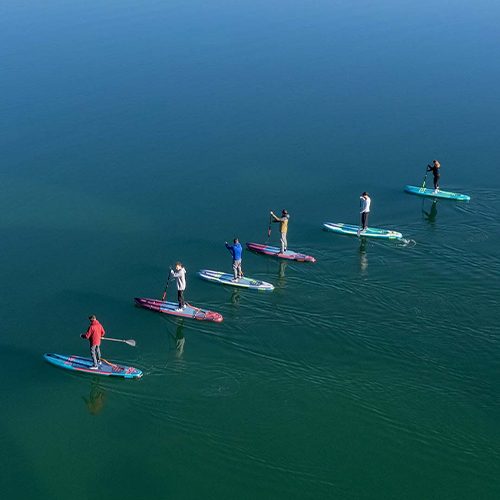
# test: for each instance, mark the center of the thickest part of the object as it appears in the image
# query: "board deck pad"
(80, 364)
(189, 311)
(370, 232)
(227, 279)
(447, 195)
(276, 252)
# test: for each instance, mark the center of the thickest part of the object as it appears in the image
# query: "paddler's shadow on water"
(363, 258)
(236, 297)
(177, 341)
(95, 400)
(281, 270)
(431, 215)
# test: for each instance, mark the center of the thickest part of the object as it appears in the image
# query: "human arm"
(88, 334)
(231, 249)
(181, 272)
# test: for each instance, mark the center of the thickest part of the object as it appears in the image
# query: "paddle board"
(227, 279)
(170, 308)
(79, 364)
(420, 191)
(370, 232)
(275, 252)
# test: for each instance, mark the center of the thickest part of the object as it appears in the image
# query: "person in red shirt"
(94, 333)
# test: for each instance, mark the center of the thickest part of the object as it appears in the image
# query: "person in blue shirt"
(236, 253)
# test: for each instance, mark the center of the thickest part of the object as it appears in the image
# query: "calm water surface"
(135, 134)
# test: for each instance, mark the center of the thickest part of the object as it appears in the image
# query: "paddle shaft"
(128, 342)
(360, 216)
(166, 286)
(425, 178)
(270, 225)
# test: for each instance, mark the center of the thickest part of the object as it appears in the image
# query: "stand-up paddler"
(364, 209)
(95, 333)
(436, 172)
(180, 277)
(236, 253)
(283, 220)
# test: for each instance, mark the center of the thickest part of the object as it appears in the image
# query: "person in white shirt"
(364, 209)
(180, 277)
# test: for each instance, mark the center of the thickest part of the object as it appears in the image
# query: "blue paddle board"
(79, 364)
(447, 195)
(370, 232)
(227, 279)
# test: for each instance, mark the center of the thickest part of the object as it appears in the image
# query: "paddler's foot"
(235, 280)
(179, 309)
(94, 368)
(99, 363)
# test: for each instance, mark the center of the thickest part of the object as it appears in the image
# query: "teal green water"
(135, 134)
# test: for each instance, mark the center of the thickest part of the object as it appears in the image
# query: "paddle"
(128, 342)
(425, 177)
(360, 216)
(270, 225)
(166, 286)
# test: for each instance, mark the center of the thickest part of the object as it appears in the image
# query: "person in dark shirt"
(436, 172)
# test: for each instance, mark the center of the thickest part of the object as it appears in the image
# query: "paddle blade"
(129, 342)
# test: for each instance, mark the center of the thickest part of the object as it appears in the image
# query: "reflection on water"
(179, 339)
(363, 259)
(431, 215)
(236, 296)
(176, 341)
(95, 400)
(281, 271)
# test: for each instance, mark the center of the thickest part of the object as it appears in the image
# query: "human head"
(436, 163)
(92, 318)
(365, 194)
(235, 240)
(178, 265)
(284, 212)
